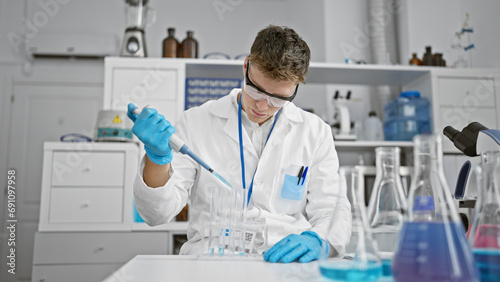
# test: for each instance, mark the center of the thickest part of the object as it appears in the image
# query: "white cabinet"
(90, 256)
(86, 223)
(459, 97)
(159, 83)
(88, 186)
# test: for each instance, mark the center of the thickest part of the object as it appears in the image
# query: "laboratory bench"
(191, 268)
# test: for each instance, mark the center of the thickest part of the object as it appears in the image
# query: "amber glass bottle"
(415, 61)
(428, 58)
(170, 44)
(189, 46)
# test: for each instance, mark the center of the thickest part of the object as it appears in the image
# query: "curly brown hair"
(280, 54)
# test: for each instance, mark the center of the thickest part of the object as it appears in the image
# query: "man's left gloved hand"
(304, 247)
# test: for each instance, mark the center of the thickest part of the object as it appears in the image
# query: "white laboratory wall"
(434, 23)
(226, 26)
(486, 22)
(230, 26)
(11, 13)
(221, 25)
(345, 22)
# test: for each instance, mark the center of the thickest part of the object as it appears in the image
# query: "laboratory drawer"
(86, 205)
(139, 84)
(78, 273)
(96, 247)
(83, 168)
(468, 92)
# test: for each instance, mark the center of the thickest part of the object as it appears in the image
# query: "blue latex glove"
(304, 247)
(154, 131)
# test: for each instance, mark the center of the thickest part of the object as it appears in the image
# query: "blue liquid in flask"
(386, 267)
(351, 271)
(488, 262)
(424, 253)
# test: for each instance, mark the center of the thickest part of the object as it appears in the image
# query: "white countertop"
(153, 268)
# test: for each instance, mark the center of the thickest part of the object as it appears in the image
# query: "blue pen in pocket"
(303, 177)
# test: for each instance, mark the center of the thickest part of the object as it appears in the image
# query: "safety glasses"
(258, 94)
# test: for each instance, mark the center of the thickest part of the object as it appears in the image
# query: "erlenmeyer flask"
(432, 244)
(387, 201)
(366, 264)
(485, 231)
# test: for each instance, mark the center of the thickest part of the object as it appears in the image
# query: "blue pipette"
(179, 145)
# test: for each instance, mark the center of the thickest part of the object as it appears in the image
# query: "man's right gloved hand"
(154, 131)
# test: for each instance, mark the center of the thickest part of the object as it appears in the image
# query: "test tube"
(243, 221)
(222, 235)
(212, 225)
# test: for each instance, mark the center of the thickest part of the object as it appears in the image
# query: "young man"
(287, 157)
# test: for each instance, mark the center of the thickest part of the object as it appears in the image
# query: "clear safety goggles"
(258, 94)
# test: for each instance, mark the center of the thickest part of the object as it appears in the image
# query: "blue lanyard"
(242, 158)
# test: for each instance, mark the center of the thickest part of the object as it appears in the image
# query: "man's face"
(260, 111)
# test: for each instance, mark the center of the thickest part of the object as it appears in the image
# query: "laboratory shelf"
(367, 74)
(372, 144)
(319, 72)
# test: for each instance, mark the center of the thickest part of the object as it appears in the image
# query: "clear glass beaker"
(432, 244)
(485, 232)
(366, 264)
(387, 201)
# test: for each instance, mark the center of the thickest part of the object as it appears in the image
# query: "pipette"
(179, 145)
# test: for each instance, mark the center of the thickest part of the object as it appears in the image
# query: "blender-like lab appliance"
(134, 43)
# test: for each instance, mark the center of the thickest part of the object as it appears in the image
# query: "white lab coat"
(299, 138)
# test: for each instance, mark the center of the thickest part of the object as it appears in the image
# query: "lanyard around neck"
(242, 157)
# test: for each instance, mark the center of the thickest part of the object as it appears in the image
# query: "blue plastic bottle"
(407, 116)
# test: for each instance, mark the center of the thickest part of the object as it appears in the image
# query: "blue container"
(407, 116)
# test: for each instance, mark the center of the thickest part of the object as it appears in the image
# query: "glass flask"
(366, 264)
(432, 244)
(387, 201)
(485, 232)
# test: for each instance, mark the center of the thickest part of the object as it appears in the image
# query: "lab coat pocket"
(289, 196)
(293, 188)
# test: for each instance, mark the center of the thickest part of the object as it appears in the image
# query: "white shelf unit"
(457, 96)
(449, 90)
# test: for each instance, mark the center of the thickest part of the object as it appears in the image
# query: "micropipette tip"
(222, 179)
